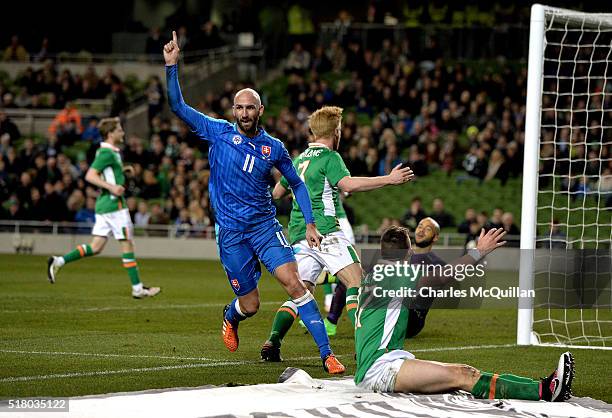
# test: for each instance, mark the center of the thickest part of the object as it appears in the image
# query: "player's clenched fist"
(171, 50)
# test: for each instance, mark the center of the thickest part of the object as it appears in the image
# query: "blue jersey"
(240, 166)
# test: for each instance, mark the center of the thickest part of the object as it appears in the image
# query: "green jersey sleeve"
(284, 182)
(103, 159)
(336, 169)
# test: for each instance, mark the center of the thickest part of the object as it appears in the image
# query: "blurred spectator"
(511, 229)
(581, 188)
(508, 224)
(150, 188)
(496, 220)
(66, 125)
(469, 218)
(15, 51)
(155, 43)
(158, 217)
(119, 101)
(440, 215)
(43, 52)
(497, 167)
(355, 162)
(182, 38)
(336, 56)
(15, 210)
(475, 163)
(482, 218)
(8, 127)
(155, 97)
(87, 213)
(320, 61)
(298, 61)
(604, 186)
(183, 223)
(471, 240)
(91, 132)
(390, 160)
(414, 214)
(36, 211)
(555, 238)
(207, 38)
(142, 216)
(55, 204)
(23, 99)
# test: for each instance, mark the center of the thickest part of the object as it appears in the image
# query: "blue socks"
(233, 314)
(309, 312)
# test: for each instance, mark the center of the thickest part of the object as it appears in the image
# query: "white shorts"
(347, 228)
(118, 222)
(381, 375)
(336, 253)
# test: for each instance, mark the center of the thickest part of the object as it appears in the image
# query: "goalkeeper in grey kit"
(380, 332)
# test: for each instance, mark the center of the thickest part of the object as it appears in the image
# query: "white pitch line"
(129, 308)
(121, 371)
(467, 347)
(76, 354)
(215, 363)
(160, 357)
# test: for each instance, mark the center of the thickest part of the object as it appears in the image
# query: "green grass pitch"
(86, 335)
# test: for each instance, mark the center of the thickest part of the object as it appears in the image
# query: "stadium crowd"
(464, 120)
(48, 88)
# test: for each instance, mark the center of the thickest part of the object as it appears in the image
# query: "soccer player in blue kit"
(241, 157)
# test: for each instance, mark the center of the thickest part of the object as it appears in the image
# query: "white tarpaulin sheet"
(305, 397)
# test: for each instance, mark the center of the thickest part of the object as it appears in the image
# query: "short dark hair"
(108, 125)
(395, 242)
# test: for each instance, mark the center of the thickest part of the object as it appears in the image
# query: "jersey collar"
(109, 146)
(260, 132)
(316, 145)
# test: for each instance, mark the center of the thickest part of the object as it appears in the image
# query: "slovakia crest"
(237, 139)
(235, 284)
(266, 150)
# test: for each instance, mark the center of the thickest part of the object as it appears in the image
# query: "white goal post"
(567, 158)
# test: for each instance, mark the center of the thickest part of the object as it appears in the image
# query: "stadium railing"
(37, 121)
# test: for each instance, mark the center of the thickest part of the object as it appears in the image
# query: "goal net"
(566, 216)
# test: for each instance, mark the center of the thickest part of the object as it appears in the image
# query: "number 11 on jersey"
(248, 163)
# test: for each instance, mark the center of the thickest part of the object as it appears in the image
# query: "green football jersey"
(108, 163)
(340, 212)
(321, 169)
(382, 318)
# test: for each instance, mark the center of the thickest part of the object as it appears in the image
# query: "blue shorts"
(240, 253)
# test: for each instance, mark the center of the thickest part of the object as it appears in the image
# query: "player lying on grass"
(324, 172)
(426, 234)
(241, 157)
(383, 365)
(112, 215)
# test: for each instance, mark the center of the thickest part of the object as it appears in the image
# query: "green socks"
(129, 262)
(79, 252)
(506, 386)
(285, 316)
(351, 303)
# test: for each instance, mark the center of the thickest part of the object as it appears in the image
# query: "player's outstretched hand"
(491, 240)
(400, 175)
(313, 236)
(171, 50)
